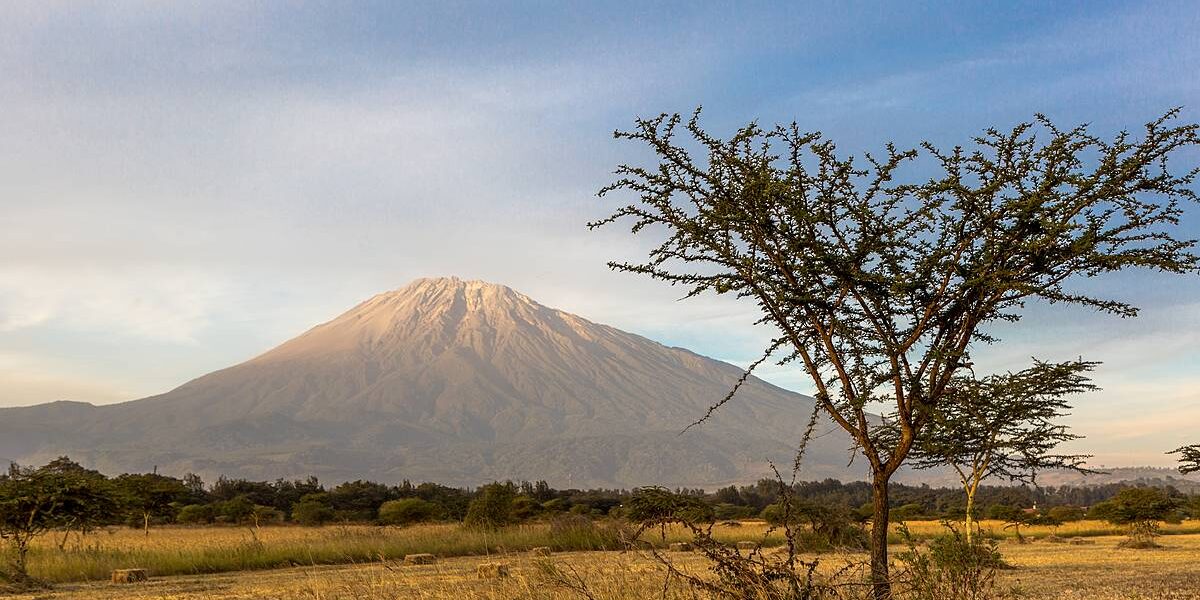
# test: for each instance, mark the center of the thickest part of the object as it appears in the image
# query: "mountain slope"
(453, 381)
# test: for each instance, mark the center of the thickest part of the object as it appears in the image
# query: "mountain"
(454, 381)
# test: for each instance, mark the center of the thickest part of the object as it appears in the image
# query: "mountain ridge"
(454, 380)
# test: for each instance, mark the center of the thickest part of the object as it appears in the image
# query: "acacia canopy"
(1189, 458)
(879, 281)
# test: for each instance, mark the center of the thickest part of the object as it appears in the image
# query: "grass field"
(294, 562)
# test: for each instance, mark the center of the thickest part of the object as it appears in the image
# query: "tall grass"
(180, 550)
(200, 550)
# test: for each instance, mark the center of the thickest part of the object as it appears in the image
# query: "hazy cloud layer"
(183, 186)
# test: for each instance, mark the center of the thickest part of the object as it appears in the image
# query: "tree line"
(63, 496)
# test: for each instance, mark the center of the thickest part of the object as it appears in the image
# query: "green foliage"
(828, 526)
(1067, 514)
(556, 505)
(1136, 504)
(492, 506)
(265, 515)
(1140, 509)
(651, 506)
(358, 500)
(236, 510)
(953, 566)
(733, 512)
(408, 511)
(196, 514)
(1189, 458)
(149, 495)
(525, 508)
(312, 509)
(907, 512)
(33, 501)
(879, 282)
(1003, 512)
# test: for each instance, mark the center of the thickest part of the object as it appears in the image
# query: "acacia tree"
(1140, 509)
(35, 500)
(149, 495)
(879, 288)
(1189, 458)
(1003, 426)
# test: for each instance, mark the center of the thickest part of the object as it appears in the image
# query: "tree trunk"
(146, 522)
(881, 584)
(970, 513)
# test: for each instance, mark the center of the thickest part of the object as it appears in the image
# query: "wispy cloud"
(162, 304)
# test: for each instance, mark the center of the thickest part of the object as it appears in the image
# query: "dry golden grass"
(1044, 571)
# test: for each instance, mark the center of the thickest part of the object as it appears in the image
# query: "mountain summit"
(453, 381)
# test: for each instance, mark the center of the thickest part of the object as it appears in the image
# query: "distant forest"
(144, 500)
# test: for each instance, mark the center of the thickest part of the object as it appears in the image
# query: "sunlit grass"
(200, 550)
(1043, 571)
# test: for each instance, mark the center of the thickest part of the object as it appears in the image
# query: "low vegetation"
(63, 523)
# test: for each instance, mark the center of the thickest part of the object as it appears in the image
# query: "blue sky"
(184, 185)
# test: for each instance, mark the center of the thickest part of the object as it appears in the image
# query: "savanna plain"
(1080, 560)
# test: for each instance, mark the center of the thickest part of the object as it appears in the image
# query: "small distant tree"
(492, 506)
(1024, 518)
(238, 509)
(90, 504)
(1189, 458)
(150, 495)
(312, 509)
(1067, 514)
(359, 500)
(657, 506)
(1003, 426)
(879, 282)
(1140, 509)
(195, 514)
(408, 511)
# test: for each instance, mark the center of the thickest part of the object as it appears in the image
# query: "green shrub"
(908, 512)
(195, 514)
(827, 526)
(952, 567)
(658, 506)
(1140, 509)
(312, 510)
(266, 515)
(1067, 514)
(492, 507)
(556, 505)
(408, 511)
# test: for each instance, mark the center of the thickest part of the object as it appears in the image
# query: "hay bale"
(491, 570)
(1137, 544)
(129, 575)
(680, 547)
(541, 551)
(419, 559)
(747, 545)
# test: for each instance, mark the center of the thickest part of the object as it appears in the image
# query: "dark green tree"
(150, 495)
(1189, 458)
(313, 509)
(34, 501)
(878, 282)
(1002, 426)
(359, 500)
(92, 502)
(492, 506)
(408, 511)
(1140, 509)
